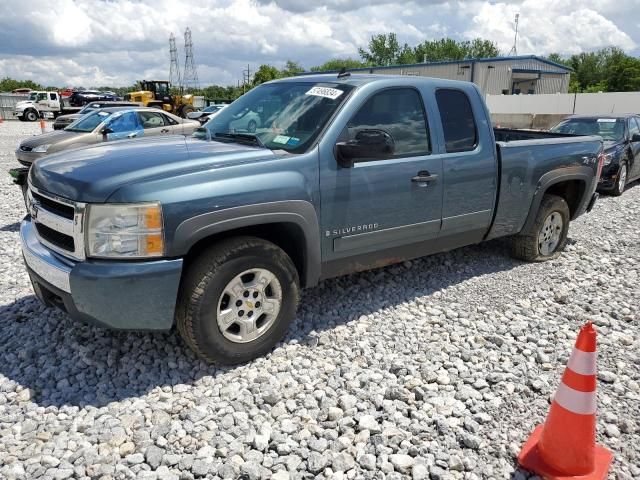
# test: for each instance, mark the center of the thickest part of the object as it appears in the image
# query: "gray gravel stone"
(437, 361)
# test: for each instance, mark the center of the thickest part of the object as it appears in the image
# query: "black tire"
(526, 246)
(21, 118)
(621, 181)
(186, 109)
(251, 126)
(31, 115)
(203, 287)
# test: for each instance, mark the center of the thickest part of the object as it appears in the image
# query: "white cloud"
(548, 26)
(116, 42)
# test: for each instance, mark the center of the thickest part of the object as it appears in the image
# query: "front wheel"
(621, 182)
(237, 300)
(547, 237)
(31, 116)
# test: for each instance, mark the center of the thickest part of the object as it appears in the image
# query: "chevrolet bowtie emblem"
(249, 304)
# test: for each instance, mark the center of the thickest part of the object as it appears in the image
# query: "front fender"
(298, 212)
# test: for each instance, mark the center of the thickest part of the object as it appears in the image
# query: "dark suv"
(65, 120)
(79, 99)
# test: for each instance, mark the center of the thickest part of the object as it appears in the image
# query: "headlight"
(607, 158)
(125, 230)
(41, 148)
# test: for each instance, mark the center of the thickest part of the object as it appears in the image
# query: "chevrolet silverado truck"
(217, 233)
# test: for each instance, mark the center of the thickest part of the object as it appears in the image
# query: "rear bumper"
(115, 295)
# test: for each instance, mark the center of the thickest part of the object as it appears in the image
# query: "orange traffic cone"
(565, 446)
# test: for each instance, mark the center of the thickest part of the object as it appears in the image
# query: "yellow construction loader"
(157, 93)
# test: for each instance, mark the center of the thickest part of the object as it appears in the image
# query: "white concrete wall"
(566, 103)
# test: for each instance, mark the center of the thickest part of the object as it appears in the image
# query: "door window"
(151, 120)
(633, 127)
(458, 122)
(398, 112)
(53, 96)
(127, 122)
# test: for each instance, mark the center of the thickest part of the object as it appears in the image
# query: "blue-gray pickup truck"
(299, 180)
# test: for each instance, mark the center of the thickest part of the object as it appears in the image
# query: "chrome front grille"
(58, 222)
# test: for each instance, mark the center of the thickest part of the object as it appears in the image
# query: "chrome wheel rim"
(549, 236)
(249, 305)
(622, 178)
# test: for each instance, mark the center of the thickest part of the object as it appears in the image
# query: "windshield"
(607, 128)
(283, 116)
(33, 96)
(89, 122)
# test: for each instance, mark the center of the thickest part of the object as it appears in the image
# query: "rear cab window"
(458, 122)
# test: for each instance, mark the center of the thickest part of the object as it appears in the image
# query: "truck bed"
(511, 134)
(525, 159)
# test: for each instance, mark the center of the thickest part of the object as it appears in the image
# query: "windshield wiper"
(252, 137)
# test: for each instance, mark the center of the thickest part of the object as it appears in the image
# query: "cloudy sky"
(116, 42)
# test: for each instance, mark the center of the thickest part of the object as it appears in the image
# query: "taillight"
(600, 164)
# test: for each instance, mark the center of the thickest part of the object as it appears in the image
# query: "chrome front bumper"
(43, 261)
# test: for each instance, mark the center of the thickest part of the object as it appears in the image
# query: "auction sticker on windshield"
(606, 120)
(325, 92)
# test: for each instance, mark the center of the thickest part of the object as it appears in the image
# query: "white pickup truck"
(41, 104)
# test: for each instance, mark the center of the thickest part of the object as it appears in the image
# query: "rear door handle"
(132, 135)
(164, 130)
(424, 176)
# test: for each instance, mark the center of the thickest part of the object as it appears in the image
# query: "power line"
(174, 69)
(190, 74)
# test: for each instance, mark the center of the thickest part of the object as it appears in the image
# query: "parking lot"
(436, 368)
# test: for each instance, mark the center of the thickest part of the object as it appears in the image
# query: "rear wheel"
(621, 182)
(237, 300)
(547, 237)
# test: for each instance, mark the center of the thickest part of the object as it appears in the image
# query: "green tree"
(291, 69)
(265, 73)
(8, 84)
(384, 49)
(337, 64)
(447, 49)
(624, 75)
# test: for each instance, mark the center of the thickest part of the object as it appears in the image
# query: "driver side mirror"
(635, 137)
(370, 144)
(106, 131)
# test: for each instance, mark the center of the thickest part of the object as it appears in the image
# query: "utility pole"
(190, 75)
(246, 78)
(174, 69)
(514, 49)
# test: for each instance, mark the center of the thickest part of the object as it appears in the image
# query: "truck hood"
(21, 105)
(92, 174)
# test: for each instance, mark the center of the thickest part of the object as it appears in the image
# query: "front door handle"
(164, 130)
(424, 176)
(132, 135)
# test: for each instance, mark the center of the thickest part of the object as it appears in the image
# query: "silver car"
(105, 125)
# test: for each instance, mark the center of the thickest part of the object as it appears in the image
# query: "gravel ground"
(437, 368)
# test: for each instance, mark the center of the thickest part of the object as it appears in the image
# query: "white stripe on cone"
(582, 403)
(583, 363)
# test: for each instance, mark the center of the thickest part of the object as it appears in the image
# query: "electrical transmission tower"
(189, 74)
(514, 49)
(174, 69)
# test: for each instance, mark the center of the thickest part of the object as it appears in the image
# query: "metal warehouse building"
(500, 75)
